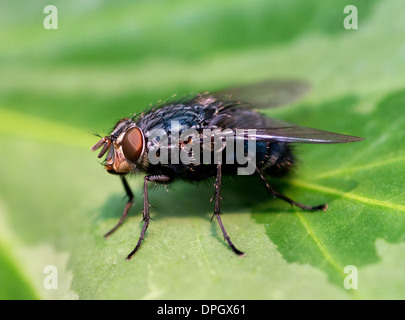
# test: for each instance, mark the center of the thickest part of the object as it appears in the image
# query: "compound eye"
(132, 144)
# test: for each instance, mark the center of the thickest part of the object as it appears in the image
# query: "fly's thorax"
(125, 147)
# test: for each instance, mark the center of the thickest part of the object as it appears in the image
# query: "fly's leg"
(127, 207)
(146, 216)
(217, 211)
(286, 199)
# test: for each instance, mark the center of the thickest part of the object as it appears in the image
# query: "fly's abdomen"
(277, 160)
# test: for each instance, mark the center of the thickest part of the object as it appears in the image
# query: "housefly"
(209, 135)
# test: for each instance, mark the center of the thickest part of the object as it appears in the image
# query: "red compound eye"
(132, 144)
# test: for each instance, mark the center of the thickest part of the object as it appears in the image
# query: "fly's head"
(124, 147)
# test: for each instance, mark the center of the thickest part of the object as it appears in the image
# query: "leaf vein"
(349, 195)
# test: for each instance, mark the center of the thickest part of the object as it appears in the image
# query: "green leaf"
(107, 61)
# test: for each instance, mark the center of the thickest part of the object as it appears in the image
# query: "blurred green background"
(108, 60)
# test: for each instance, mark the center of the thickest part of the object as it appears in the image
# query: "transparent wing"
(298, 134)
(248, 125)
(267, 94)
(278, 130)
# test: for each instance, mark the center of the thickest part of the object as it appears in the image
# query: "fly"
(208, 135)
